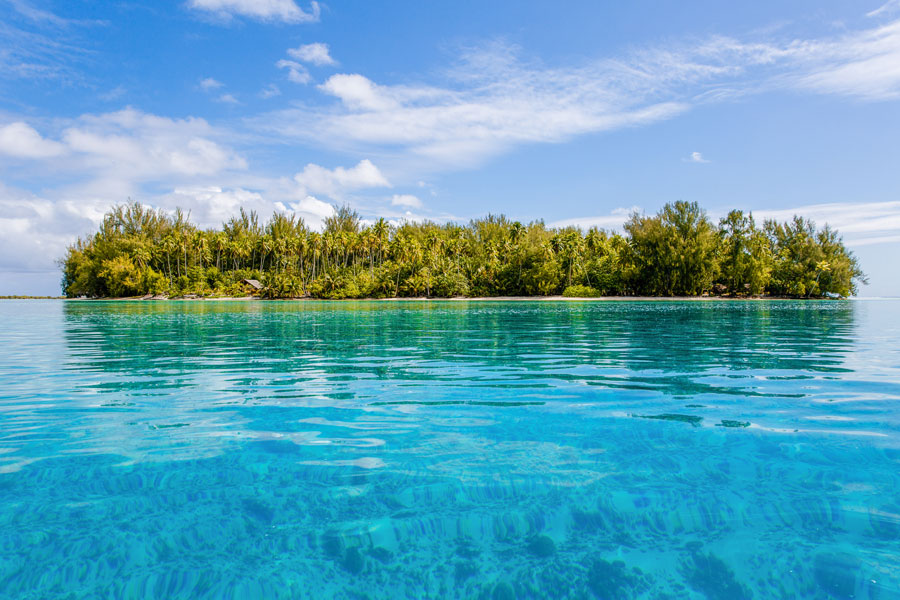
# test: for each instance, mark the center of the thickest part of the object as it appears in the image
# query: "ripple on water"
(455, 450)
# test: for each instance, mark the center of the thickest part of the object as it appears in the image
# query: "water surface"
(494, 450)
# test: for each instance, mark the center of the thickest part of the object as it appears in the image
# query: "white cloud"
(860, 223)
(612, 222)
(210, 84)
(22, 141)
(227, 99)
(316, 54)
(863, 64)
(360, 93)
(491, 106)
(494, 99)
(35, 231)
(135, 145)
(286, 11)
(891, 6)
(113, 94)
(333, 183)
(296, 72)
(270, 91)
(210, 206)
(313, 210)
(407, 200)
(696, 157)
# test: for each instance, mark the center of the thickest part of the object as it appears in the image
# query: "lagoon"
(494, 450)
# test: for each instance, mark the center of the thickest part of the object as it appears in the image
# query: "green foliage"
(811, 263)
(745, 255)
(678, 251)
(581, 291)
(672, 253)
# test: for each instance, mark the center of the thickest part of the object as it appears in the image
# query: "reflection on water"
(450, 449)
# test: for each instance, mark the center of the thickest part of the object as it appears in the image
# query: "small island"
(677, 252)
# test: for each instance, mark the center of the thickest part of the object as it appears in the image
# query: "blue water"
(498, 450)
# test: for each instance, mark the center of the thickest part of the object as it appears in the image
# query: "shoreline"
(458, 299)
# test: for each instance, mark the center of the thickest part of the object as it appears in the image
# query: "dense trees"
(678, 251)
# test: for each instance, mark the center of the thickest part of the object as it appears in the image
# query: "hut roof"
(256, 285)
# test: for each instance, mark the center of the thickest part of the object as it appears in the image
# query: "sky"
(579, 112)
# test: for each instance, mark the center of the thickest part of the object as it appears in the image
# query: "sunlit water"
(616, 450)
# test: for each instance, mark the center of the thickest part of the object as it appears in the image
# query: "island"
(679, 251)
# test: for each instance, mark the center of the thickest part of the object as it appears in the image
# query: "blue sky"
(577, 112)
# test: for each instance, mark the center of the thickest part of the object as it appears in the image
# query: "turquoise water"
(490, 450)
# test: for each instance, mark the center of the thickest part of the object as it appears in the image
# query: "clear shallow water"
(450, 450)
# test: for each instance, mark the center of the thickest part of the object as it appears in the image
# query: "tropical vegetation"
(677, 252)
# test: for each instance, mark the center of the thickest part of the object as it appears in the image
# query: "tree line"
(677, 252)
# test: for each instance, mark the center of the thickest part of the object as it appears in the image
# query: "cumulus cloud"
(316, 54)
(296, 72)
(334, 183)
(34, 231)
(359, 93)
(313, 210)
(286, 11)
(130, 143)
(22, 141)
(228, 99)
(406, 200)
(210, 206)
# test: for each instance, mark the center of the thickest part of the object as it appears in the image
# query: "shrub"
(581, 291)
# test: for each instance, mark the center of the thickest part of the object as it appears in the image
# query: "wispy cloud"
(861, 224)
(45, 17)
(228, 99)
(889, 7)
(491, 108)
(285, 11)
(316, 54)
(696, 157)
(210, 84)
(486, 103)
(270, 91)
(40, 45)
(864, 64)
(296, 72)
(113, 94)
